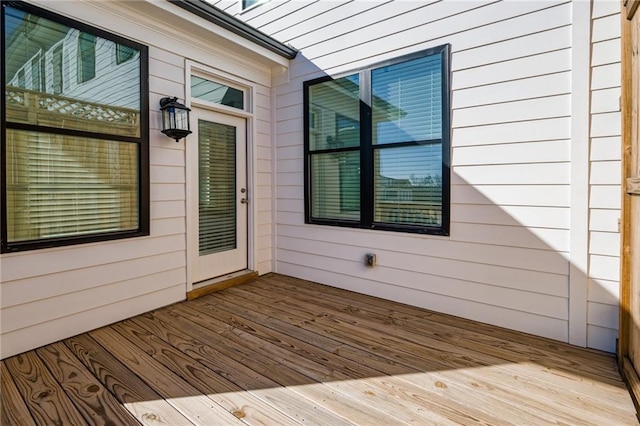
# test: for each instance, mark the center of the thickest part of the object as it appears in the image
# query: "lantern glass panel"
(181, 119)
(166, 119)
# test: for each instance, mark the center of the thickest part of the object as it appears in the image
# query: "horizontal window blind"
(60, 186)
(336, 185)
(217, 187)
(412, 95)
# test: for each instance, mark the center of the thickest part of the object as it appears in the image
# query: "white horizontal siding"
(604, 149)
(428, 246)
(605, 175)
(528, 131)
(62, 327)
(520, 153)
(530, 109)
(601, 337)
(523, 195)
(491, 314)
(506, 260)
(527, 88)
(55, 293)
(528, 216)
(511, 154)
(604, 267)
(605, 220)
(603, 291)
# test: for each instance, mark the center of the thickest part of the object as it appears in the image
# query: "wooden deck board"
(283, 351)
(43, 395)
(131, 391)
(13, 409)
(494, 379)
(93, 401)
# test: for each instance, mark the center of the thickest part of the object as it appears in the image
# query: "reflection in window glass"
(95, 93)
(124, 53)
(408, 185)
(56, 71)
(408, 101)
(248, 3)
(335, 105)
(75, 154)
(86, 57)
(408, 108)
(217, 93)
(335, 185)
(35, 74)
(334, 147)
(21, 79)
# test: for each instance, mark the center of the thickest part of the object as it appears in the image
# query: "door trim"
(251, 85)
(191, 205)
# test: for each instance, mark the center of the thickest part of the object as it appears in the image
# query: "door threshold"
(220, 283)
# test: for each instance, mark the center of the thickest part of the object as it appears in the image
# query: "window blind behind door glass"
(217, 187)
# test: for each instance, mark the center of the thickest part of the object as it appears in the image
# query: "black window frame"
(367, 150)
(142, 141)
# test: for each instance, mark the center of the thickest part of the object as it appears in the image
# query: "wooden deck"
(281, 351)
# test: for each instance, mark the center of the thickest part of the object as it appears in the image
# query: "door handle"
(244, 201)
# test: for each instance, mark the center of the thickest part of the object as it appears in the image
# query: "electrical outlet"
(370, 259)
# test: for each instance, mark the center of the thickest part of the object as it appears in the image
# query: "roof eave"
(228, 22)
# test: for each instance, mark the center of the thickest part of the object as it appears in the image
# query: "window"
(124, 53)
(86, 57)
(76, 162)
(217, 93)
(36, 83)
(56, 70)
(377, 146)
(248, 3)
(21, 79)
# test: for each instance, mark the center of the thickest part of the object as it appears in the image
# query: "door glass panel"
(217, 187)
(217, 93)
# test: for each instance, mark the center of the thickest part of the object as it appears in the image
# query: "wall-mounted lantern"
(175, 118)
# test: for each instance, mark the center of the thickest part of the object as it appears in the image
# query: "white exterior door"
(217, 195)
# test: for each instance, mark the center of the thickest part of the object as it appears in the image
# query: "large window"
(377, 146)
(75, 161)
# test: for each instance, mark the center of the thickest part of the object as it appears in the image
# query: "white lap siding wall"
(508, 259)
(604, 244)
(50, 294)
